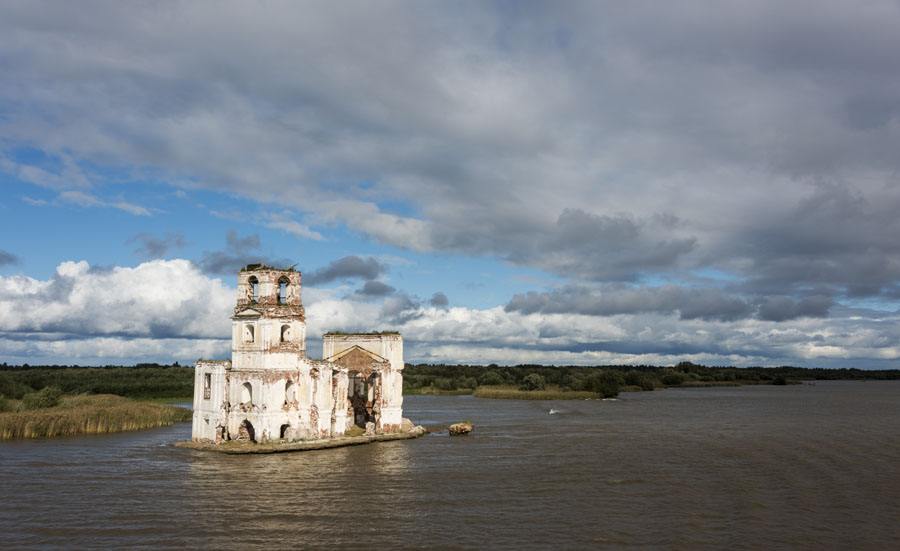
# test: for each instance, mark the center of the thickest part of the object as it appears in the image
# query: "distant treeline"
(453, 377)
(140, 381)
(168, 381)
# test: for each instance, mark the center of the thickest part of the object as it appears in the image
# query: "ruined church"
(270, 391)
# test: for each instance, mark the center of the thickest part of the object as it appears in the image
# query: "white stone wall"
(390, 347)
(209, 413)
(387, 345)
(316, 404)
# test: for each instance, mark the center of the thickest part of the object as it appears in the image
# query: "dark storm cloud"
(835, 238)
(239, 252)
(608, 248)
(581, 244)
(709, 304)
(401, 308)
(7, 258)
(348, 267)
(151, 246)
(702, 304)
(786, 308)
(375, 289)
(439, 300)
(600, 141)
(508, 140)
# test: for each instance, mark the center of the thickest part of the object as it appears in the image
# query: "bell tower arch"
(269, 322)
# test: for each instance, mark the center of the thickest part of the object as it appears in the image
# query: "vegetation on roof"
(374, 333)
(261, 267)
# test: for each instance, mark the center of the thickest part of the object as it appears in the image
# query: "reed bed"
(432, 391)
(513, 393)
(89, 414)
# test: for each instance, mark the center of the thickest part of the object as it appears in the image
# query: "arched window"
(289, 392)
(247, 394)
(285, 333)
(248, 333)
(246, 431)
(282, 290)
(254, 288)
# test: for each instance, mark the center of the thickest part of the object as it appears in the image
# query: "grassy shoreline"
(501, 392)
(89, 414)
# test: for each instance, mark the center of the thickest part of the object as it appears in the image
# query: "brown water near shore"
(749, 467)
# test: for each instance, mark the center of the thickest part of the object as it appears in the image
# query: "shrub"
(725, 376)
(46, 397)
(672, 378)
(636, 378)
(4, 404)
(779, 380)
(491, 378)
(533, 381)
(467, 382)
(443, 383)
(604, 383)
(12, 388)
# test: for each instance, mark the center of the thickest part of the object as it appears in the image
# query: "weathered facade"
(270, 391)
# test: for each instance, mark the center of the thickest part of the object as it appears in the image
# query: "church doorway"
(363, 392)
(246, 432)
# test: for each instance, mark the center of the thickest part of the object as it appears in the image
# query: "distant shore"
(554, 392)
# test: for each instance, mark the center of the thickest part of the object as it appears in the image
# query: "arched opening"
(246, 394)
(246, 432)
(285, 333)
(284, 431)
(289, 392)
(282, 290)
(360, 392)
(249, 333)
(254, 288)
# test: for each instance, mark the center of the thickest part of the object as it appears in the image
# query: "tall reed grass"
(89, 414)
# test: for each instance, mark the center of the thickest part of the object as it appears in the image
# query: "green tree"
(533, 381)
(46, 397)
(605, 383)
(672, 378)
(491, 378)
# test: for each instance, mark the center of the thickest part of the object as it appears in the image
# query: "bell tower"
(269, 323)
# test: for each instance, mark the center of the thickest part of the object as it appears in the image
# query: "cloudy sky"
(548, 182)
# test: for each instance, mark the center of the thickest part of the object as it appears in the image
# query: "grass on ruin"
(355, 431)
(507, 392)
(88, 414)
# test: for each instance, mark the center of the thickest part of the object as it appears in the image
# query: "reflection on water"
(803, 466)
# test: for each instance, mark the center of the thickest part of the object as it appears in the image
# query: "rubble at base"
(458, 429)
(243, 447)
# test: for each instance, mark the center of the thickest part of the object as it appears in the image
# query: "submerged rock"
(457, 429)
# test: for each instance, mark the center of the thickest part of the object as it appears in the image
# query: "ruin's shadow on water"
(809, 466)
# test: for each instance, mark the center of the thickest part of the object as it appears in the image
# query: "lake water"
(811, 466)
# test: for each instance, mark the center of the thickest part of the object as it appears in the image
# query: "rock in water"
(457, 429)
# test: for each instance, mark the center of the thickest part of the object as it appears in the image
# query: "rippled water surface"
(813, 466)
